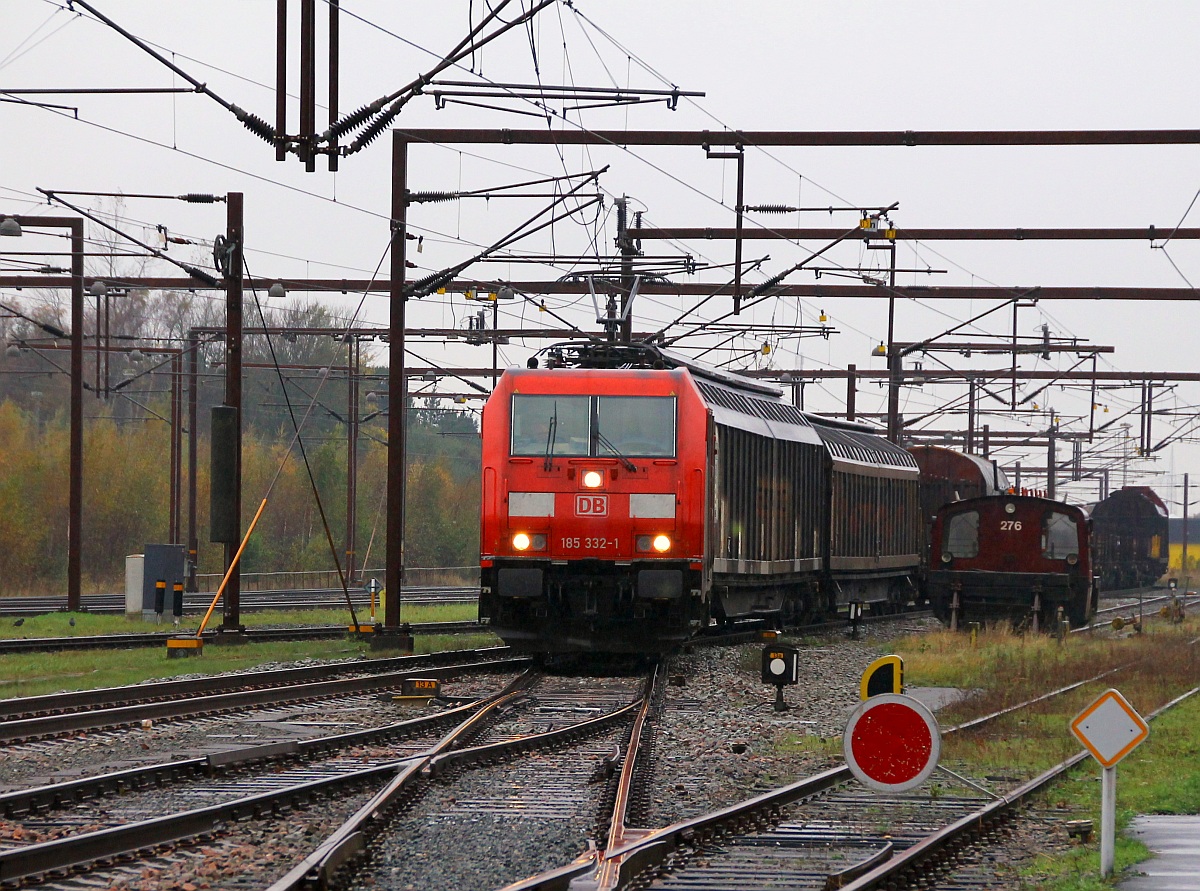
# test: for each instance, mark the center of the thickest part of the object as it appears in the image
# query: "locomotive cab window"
(1060, 537)
(550, 425)
(603, 426)
(962, 535)
(635, 426)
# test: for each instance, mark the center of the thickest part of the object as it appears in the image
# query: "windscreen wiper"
(603, 440)
(548, 462)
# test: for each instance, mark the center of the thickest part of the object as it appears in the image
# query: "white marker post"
(1110, 729)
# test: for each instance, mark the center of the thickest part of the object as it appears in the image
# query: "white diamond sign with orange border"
(1110, 728)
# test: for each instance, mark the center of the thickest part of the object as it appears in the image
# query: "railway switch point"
(184, 646)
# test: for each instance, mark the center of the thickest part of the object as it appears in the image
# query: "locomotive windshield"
(597, 426)
(962, 535)
(1060, 537)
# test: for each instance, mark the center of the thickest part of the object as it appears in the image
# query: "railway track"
(251, 601)
(250, 635)
(42, 717)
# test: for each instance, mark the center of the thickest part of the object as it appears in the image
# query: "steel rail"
(654, 848)
(56, 795)
(919, 854)
(221, 703)
(106, 697)
(75, 851)
(252, 635)
(318, 869)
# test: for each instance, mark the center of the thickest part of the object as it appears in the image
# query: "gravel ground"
(717, 740)
(491, 827)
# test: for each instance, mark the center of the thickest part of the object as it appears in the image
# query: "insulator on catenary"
(197, 198)
(254, 124)
(772, 208)
(430, 197)
(352, 121)
(376, 127)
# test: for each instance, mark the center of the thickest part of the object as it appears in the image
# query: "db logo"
(591, 505)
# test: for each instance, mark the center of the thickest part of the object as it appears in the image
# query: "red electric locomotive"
(1011, 557)
(631, 497)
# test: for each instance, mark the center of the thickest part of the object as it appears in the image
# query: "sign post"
(1110, 729)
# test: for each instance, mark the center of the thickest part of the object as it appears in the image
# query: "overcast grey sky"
(763, 66)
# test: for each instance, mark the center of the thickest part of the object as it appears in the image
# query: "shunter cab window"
(603, 426)
(1060, 537)
(962, 535)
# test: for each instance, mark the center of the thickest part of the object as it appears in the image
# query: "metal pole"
(308, 82)
(1108, 820)
(625, 246)
(495, 342)
(851, 377)
(1050, 457)
(332, 102)
(397, 415)
(1184, 555)
(894, 362)
(971, 415)
(737, 245)
(281, 79)
(193, 543)
(233, 397)
(173, 533)
(352, 460)
(75, 511)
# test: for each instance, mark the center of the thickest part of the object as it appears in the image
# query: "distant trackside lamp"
(97, 289)
(277, 291)
(10, 227)
(880, 350)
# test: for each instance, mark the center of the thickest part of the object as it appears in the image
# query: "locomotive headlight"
(593, 479)
(1010, 508)
(947, 557)
(662, 543)
(1072, 559)
(521, 542)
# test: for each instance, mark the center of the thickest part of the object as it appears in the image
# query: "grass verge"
(59, 624)
(35, 674)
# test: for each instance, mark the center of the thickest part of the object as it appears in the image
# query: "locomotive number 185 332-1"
(589, 543)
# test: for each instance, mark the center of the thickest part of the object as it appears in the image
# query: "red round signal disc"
(891, 743)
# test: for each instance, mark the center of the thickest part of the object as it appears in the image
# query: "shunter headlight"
(662, 544)
(947, 557)
(1072, 559)
(593, 479)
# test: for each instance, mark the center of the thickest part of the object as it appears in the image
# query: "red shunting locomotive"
(1010, 557)
(625, 508)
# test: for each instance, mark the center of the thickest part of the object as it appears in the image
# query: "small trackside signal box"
(421, 687)
(780, 665)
